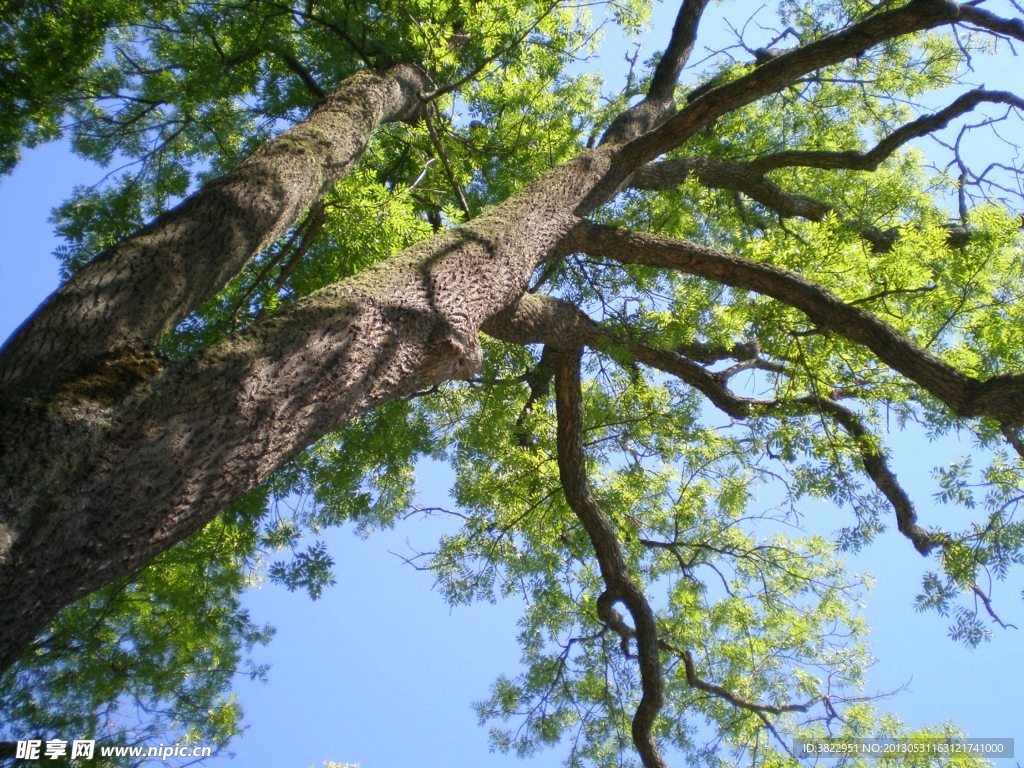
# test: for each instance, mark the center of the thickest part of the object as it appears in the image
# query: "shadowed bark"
(110, 472)
(136, 292)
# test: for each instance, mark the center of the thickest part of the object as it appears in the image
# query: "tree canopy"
(647, 322)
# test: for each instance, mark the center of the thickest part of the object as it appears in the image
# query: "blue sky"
(381, 672)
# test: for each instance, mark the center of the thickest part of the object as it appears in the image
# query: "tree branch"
(987, 602)
(748, 176)
(877, 468)
(727, 174)
(618, 582)
(1000, 397)
(304, 74)
(435, 140)
(695, 681)
(786, 69)
(870, 160)
(680, 46)
(989, 21)
(555, 323)
(660, 102)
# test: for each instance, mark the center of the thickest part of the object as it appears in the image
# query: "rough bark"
(100, 480)
(139, 290)
(111, 455)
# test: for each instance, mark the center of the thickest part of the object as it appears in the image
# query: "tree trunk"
(136, 453)
(135, 293)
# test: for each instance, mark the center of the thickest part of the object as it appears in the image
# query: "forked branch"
(1000, 397)
(684, 35)
(991, 23)
(546, 320)
(870, 160)
(786, 69)
(659, 102)
(619, 585)
(748, 177)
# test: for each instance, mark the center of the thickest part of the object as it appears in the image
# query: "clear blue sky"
(381, 672)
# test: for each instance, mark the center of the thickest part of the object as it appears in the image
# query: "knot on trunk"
(454, 356)
(413, 84)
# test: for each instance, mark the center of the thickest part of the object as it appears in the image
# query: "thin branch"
(304, 74)
(869, 161)
(1013, 439)
(477, 70)
(435, 139)
(877, 468)
(316, 219)
(989, 21)
(987, 602)
(680, 46)
(695, 681)
(620, 586)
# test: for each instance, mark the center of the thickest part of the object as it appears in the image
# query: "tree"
(302, 317)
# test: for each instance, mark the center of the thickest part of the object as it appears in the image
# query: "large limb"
(1000, 397)
(787, 68)
(997, 25)
(713, 173)
(140, 289)
(125, 463)
(619, 585)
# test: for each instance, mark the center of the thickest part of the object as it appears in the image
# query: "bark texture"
(101, 479)
(139, 290)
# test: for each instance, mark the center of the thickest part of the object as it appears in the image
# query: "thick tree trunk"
(120, 464)
(139, 290)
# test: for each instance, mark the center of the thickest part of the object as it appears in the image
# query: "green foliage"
(149, 658)
(45, 47)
